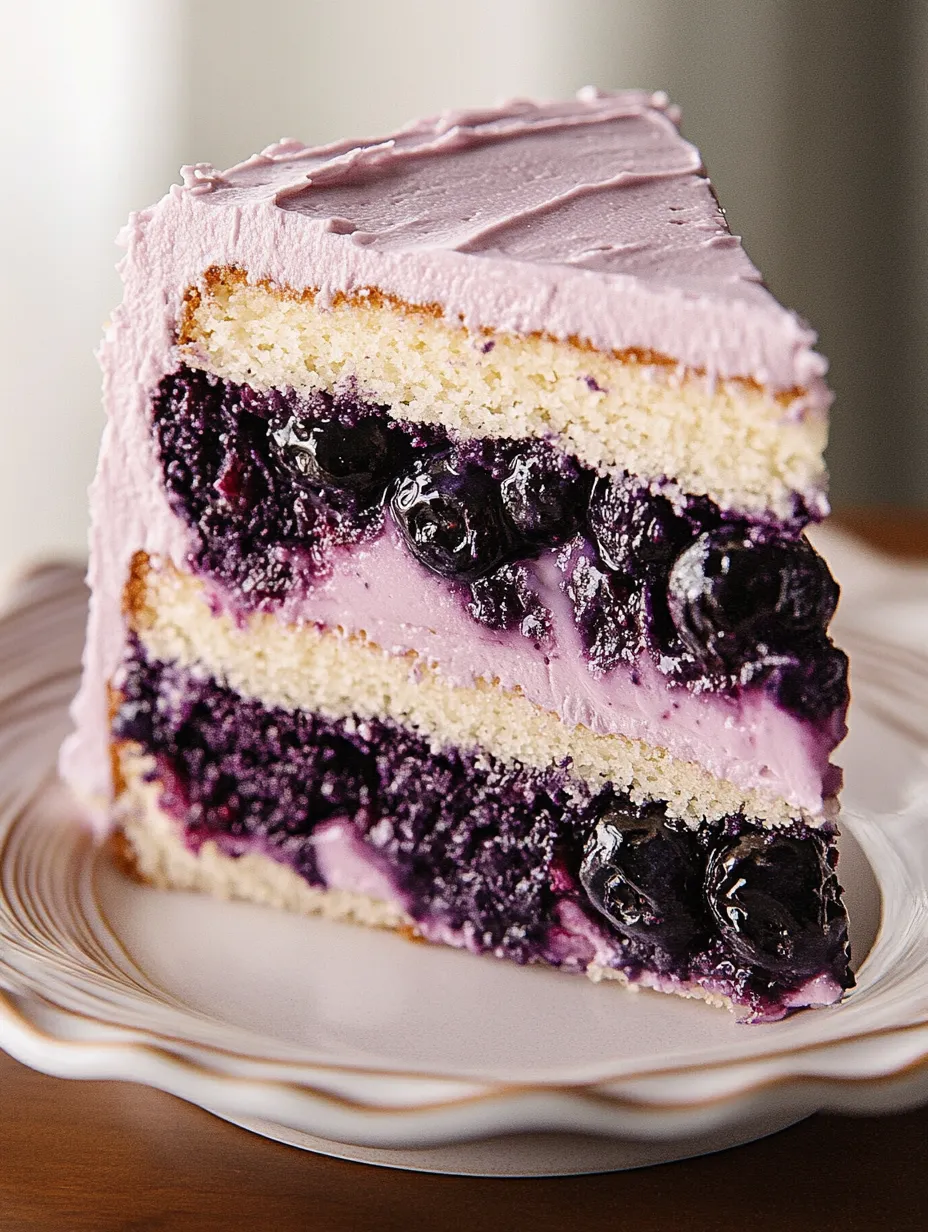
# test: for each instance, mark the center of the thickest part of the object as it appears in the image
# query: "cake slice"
(448, 569)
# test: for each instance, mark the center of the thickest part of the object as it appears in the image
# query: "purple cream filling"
(482, 855)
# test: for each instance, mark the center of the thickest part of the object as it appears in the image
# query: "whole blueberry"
(335, 454)
(735, 597)
(543, 494)
(645, 876)
(776, 901)
(635, 530)
(451, 516)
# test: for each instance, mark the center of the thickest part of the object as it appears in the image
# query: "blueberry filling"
(505, 600)
(233, 473)
(492, 850)
(544, 494)
(737, 598)
(607, 607)
(635, 532)
(752, 607)
(273, 483)
(776, 901)
(469, 840)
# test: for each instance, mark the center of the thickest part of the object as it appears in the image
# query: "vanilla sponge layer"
(320, 670)
(743, 446)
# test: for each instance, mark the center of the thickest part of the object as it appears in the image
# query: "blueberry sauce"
(494, 851)
(273, 483)
(505, 600)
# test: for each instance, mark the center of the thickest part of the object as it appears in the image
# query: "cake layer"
(741, 445)
(340, 672)
(502, 859)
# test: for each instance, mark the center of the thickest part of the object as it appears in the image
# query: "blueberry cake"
(448, 561)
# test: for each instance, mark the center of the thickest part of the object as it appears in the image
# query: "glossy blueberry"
(735, 598)
(645, 877)
(816, 684)
(256, 527)
(808, 593)
(635, 530)
(543, 494)
(335, 454)
(776, 901)
(451, 516)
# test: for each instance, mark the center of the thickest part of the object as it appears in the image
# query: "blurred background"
(812, 119)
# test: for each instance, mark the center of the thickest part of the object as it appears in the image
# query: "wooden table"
(101, 1156)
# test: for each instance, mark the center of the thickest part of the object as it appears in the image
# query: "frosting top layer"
(590, 218)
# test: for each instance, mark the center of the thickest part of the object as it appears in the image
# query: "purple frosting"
(589, 218)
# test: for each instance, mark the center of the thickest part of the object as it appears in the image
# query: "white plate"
(357, 1043)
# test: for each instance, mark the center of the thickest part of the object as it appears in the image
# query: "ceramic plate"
(360, 1044)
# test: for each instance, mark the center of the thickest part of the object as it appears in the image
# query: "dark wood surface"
(107, 1155)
